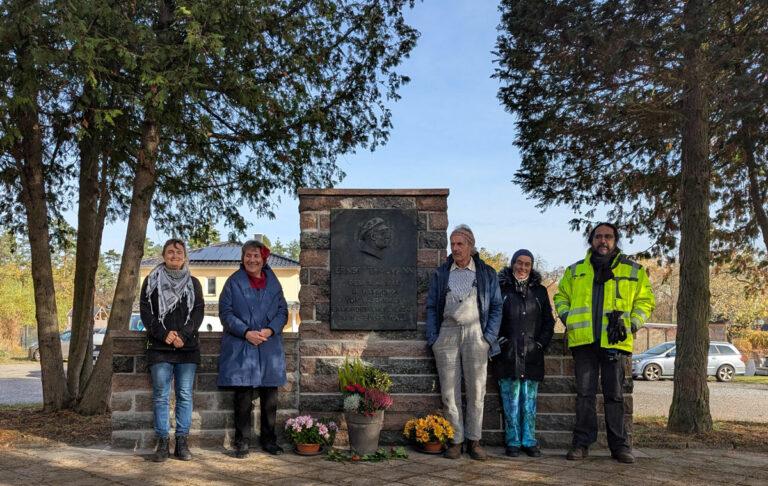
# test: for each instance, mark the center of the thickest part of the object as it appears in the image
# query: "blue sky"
(449, 132)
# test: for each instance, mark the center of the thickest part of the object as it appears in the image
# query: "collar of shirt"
(470, 267)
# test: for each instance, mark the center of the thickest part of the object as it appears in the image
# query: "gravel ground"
(727, 401)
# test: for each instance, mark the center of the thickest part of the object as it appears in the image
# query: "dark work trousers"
(590, 360)
(244, 397)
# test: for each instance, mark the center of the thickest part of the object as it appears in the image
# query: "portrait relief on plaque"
(373, 269)
(374, 237)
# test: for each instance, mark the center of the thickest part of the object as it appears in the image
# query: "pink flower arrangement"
(305, 429)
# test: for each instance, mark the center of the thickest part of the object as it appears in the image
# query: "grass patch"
(751, 379)
(13, 356)
(750, 436)
(28, 426)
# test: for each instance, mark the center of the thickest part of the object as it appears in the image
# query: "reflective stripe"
(635, 269)
(641, 313)
(637, 322)
(579, 325)
(573, 269)
(578, 310)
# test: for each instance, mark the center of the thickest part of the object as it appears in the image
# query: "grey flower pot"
(364, 431)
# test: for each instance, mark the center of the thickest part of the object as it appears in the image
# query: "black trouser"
(591, 360)
(244, 397)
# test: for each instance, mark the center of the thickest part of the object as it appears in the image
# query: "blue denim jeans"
(518, 398)
(183, 375)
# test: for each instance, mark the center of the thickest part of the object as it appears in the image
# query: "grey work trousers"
(461, 349)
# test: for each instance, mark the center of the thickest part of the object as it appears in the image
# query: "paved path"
(727, 401)
(97, 466)
(20, 383)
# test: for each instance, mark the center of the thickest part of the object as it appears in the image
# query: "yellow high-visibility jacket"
(629, 291)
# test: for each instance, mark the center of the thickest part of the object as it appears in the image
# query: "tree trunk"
(755, 194)
(96, 394)
(90, 224)
(30, 159)
(689, 412)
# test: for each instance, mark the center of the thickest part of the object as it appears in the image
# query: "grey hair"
(466, 232)
(251, 245)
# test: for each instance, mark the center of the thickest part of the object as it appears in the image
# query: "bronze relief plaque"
(373, 269)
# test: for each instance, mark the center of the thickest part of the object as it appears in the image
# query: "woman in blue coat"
(252, 361)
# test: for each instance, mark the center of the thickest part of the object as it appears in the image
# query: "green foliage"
(497, 260)
(351, 372)
(203, 236)
(356, 371)
(597, 89)
(377, 379)
(336, 455)
(290, 250)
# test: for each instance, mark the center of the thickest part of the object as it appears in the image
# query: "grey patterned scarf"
(172, 286)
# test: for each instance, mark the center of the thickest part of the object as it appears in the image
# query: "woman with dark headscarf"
(253, 312)
(172, 310)
(527, 325)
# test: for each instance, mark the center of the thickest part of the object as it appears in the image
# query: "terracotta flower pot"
(431, 447)
(307, 449)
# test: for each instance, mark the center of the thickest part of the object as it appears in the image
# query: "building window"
(212, 285)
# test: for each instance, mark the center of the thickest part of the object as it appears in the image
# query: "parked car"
(724, 362)
(65, 337)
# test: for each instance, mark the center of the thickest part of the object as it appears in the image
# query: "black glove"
(616, 330)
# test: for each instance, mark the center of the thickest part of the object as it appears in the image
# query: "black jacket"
(176, 320)
(527, 324)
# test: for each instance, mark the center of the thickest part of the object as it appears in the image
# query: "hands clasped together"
(258, 337)
(174, 339)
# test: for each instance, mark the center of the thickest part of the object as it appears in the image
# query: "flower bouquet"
(366, 397)
(309, 435)
(430, 433)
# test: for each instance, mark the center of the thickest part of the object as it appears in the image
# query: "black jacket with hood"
(527, 324)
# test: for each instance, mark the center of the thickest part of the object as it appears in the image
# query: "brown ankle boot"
(475, 451)
(453, 451)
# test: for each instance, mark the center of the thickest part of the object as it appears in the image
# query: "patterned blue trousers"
(518, 398)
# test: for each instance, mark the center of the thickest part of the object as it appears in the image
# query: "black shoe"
(241, 450)
(577, 453)
(532, 451)
(182, 449)
(162, 451)
(512, 451)
(623, 456)
(273, 449)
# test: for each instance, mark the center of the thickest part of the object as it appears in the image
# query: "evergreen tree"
(649, 110)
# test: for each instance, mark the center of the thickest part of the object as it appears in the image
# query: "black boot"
(182, 449)
(241, 449)
(162, 451)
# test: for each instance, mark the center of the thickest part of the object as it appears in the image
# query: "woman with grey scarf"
(172, 310)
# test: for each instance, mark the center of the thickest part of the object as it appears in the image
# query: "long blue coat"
(242, 309)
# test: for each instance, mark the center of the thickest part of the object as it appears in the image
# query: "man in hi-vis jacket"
(602, 300)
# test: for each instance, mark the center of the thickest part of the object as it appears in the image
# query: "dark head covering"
(519, 253)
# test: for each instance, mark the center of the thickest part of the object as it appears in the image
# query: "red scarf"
(260, 282)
